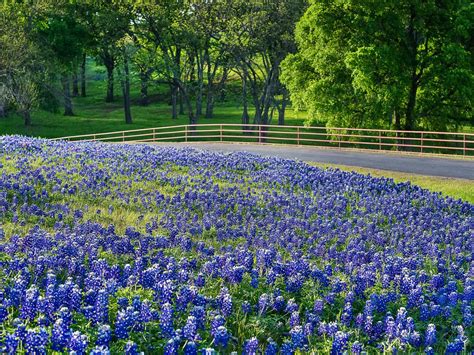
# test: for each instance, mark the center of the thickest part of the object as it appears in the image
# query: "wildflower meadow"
(129, 249)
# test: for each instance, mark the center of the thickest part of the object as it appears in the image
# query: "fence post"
(464, 145)
(186, 133)
(298, 136)
(154, 134)
(259, 133)
(380, 140)
(421, 144)
(94, 137)
(339, 139)
(123, 136)
(220, 132)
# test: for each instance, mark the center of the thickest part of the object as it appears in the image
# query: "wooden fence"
(422, 142)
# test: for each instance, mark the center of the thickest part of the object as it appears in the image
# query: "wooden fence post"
(186, 133)
(464, 145)
(220, 132)
(298, 136)
(259, 133)
(380, 140)
(123, 136)
(154, 134)
(421, 143)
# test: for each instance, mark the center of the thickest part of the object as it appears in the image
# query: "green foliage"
(401, 64)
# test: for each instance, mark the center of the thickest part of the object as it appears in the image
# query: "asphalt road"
(424, 165)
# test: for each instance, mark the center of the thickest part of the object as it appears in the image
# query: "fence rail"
(422, 142)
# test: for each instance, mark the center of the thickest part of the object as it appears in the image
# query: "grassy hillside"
(94, 115)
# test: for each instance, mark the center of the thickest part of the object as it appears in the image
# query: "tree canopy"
(400, 64)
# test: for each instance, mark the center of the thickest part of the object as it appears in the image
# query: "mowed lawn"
(94, 115)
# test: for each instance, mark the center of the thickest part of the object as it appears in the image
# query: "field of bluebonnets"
(134, 248)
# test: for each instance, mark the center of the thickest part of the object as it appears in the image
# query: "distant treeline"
(402, 64)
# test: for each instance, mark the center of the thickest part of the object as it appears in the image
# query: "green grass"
(456, 188)
(94, 115)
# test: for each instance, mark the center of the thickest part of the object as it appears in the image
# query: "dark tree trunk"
(181, 102)
(174, 101)
(109, 63)
(185, 96)
(200, 76)
(245, 112)
(75, 84)
(410, 109)
(27, 118)
(209, 105)
(398, 126)
(126, 92)
(83, 76)
(144, 78)
(281, 113)
(68, 111)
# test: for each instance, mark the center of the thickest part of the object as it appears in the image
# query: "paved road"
(455, 168)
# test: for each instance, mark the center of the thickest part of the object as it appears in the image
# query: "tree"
(163, 26)
(64, 37)
(404, 64)
(260, 36)
(126, 50)
(107, 23)
(21, 64)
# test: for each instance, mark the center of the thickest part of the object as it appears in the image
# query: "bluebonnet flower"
(246, 307)
(190, 328)
(251, 347)
(190, 348)
(430, 335)
(339, 344)
(104, 335)
(166, 320)
(357, 348)
(60, 335)
(221, 337)
(78, 342)
(272, 347)
(298, 339)
(131, 348)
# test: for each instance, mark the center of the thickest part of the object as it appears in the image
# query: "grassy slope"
(94, 115)
(456, 188)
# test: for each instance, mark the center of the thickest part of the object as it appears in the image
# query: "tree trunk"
(398, 125)
(126, 92)
(144, 77)
(83, 76)
(75, 84)
(174, 101)
(281, 112)
(27, 118)
(185, 96)
(68, 111)
(209, 105)
(181, 102)
(200, 76)
(410, 109)
(110, 65)
(245, 112)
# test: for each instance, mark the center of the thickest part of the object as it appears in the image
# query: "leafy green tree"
(260, 35)
(62, 37)
(107, 23)
(402, 64)
(22, 65)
